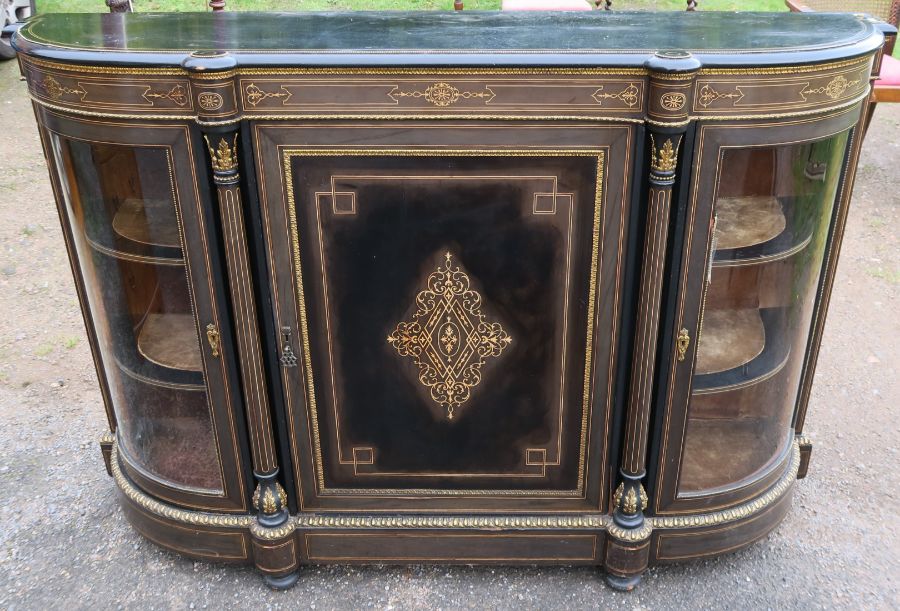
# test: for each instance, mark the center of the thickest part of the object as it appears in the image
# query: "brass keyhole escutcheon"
(684, 340)
(212, 336)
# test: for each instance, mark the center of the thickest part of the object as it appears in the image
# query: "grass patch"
(70, 342)
(892, 276)
(43, 349)
(876, 222)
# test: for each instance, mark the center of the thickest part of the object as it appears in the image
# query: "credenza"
(435, 287)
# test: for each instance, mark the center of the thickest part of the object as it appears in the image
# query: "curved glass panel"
(772, 214)
(121, 207)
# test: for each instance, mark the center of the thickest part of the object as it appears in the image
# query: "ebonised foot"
(623, 584)
(282, 582)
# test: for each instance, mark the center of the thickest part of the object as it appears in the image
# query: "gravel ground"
(64, 542)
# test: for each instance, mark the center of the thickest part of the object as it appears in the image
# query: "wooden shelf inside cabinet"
(757, 229)
(150, 222)
(170, 340)
(145, 254)
(739, 348)
(729, 444)
(148, 372)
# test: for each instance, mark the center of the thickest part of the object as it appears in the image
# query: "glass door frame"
(205, 282)
(691, 259)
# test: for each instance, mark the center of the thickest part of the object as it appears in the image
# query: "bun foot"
(282, 582)
(622, 584)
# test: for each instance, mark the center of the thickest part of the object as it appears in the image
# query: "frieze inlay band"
(56, 90)
(443, 94)
(176, 94)
(630, 96)
(708, 95)
(834, 89)
(448, 337)
(255, 95)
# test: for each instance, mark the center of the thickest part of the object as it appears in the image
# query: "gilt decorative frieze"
(442, 94)
(55, 90)
(783, 93)
(253, 95)
(630, 95)
(94, 93)
(448, 338)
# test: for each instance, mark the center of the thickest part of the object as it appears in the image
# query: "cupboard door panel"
(454, 295)
(763, 202)
(128, 199)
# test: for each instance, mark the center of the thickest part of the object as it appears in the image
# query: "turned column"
(212, 82)
(669, 101)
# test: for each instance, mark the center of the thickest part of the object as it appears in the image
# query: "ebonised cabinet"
(357, 291)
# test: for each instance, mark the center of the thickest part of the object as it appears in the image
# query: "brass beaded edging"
(741, 511)
(143, 500)
(429, 522)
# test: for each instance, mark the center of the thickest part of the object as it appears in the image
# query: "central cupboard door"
(451, 294)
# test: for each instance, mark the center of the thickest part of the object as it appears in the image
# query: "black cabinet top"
(469, 38)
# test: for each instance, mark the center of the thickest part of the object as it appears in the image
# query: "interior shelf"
(148, 222)
(734, 446)
(738, 348)
(151, 255)
(728, 339)
(757, 229)
(170, 340)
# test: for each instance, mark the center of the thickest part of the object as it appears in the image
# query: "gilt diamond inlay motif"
(448, 338)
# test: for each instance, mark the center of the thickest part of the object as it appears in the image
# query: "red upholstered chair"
(545, 5)
(887, 87)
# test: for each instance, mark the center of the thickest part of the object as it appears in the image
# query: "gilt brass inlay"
(176, 94)
(834, 89)
(56, 90)
(629, 96)
(448, 338)
(443, 94)
(255, 95)
(209, 100)
(673, 100)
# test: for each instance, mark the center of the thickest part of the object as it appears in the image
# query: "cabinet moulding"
(336, 521)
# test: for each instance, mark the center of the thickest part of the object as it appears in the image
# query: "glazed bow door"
(757, 250)
(158, 320)
(447, 296)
